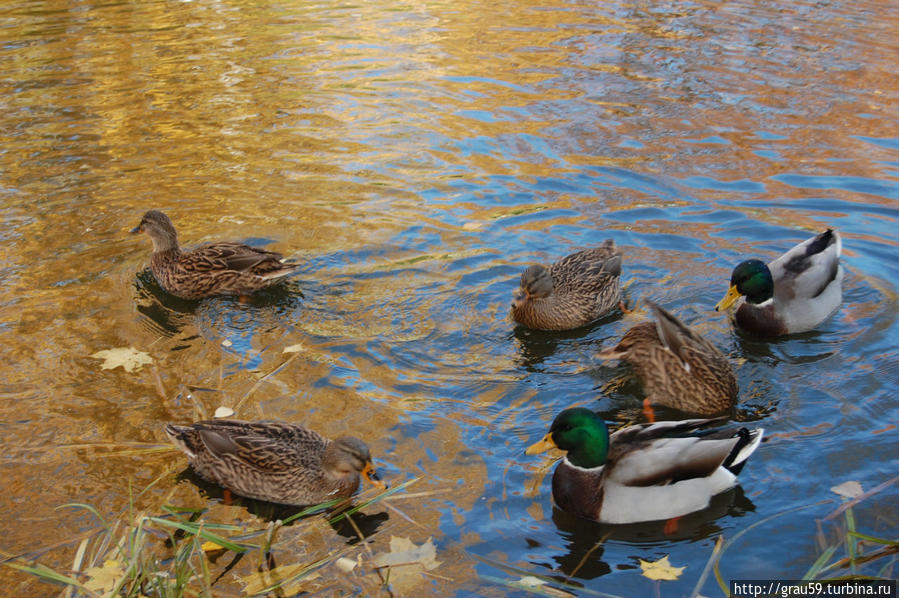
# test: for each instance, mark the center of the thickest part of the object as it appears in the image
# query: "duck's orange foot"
(648, 412)
(623, 307)
(671, 526)
(226, 497)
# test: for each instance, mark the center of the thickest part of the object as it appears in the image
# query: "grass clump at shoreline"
(177, 553)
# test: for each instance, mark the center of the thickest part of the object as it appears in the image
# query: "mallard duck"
(213, 269)
(572, 292)
(794, 293)
(274, 461)
(645, 472)
(678, 367)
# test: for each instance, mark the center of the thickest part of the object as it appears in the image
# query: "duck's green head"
(580, 432)
(751, 278)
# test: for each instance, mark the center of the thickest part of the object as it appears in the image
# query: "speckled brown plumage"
(678, 367)
(274, 461)
(572, 292)
(213, 269)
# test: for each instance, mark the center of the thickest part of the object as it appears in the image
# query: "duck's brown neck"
(163, 244)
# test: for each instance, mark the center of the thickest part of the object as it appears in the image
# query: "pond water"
(415, 158)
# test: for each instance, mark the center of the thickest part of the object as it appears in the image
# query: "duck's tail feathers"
(746, 445)
(284, 270)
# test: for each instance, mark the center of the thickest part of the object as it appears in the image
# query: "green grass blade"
(819, 563)
(198, 531)
(883, 541)
(47, 574)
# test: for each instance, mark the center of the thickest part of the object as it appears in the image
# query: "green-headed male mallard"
(678, 367)
(572, 292)
(214, 269)
(794, 293)
(645, 472)
(273, 461)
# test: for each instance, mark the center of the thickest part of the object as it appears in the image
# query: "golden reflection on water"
(336, 133)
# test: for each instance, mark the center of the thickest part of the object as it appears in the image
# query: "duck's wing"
(590, 266)
(665, 452)
(232, 256)
(675, 336)
(805, 271)
(270, 447)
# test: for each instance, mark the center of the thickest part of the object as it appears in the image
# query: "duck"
(572, 292)
(643, 472)
(220, 268)
(677, 366)
(275, 461)
(794, 293)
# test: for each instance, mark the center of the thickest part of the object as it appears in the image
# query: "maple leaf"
(406, 561)
(661, 569)
(850, 489)
(103, 580)
(128, 357)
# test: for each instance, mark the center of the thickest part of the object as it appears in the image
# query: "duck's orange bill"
(372, 476)
(541, 446)
(732, 295)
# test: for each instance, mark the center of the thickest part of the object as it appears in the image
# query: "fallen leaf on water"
(406, 562)
(210, 546)
(532, 583)
(223, 412)
(128, 357)
(661, 569)
(293, 348)
(850, 489)
(103, 580)
(281, 577)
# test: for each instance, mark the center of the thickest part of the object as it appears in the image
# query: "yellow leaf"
(128, 357)
(293, 348)
(850, 489)
(103, 580)
(256, 583)
(661, 569)
(407, 562)
(210, 546)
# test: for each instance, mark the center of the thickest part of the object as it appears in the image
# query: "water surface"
(415, 157)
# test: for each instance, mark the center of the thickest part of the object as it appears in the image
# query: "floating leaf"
(293, 348)
(661, 569)
(404, 552)
(103, 580)
(227, 343)
(223, 412)
(406, 562)
(210, 546)
(128, 357)
(850, 489)
(287, 578)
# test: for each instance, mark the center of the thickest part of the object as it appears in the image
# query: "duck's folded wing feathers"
(233, 256)
(268, 447)
(807, 269)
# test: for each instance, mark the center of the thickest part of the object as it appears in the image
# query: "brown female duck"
(273, 461)
(678, 367)
(214, 269)
(572, 292)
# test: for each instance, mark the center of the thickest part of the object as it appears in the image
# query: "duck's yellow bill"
(732, 295)
(372, 476)
(541, 446)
